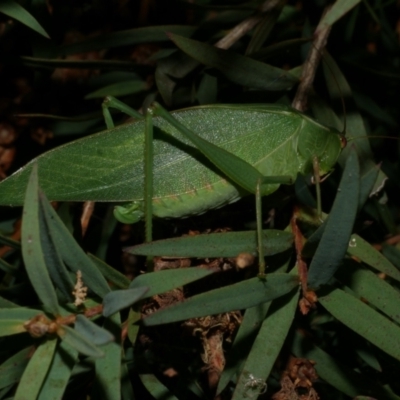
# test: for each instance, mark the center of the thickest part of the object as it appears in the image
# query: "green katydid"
(240, 173)
(278, 160)
(204, 157)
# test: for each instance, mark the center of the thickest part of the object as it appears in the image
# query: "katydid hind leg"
(148, 176)
(112, 102)
(132, 213)
(148, 183)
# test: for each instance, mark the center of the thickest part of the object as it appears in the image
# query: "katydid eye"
(343, 141)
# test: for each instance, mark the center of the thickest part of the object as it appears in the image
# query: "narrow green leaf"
(393, 254)
(12, 319)
(267, 345)
(110, 273)
(128, 37)
(238, 296)
(165, 280)
(35, 372)
(360, 248)
(71, 128)
(49, 63)
(370, 287)
(32, 248)
(156, 388)
(108, 78)
(368, 104)
(126, 385)
(381, 213)
(367, 183)
(79, 342)
(59, 373)
(118, 89)
(14, 10)
(5, 391)
(264, 28)
(12, 369)
(134, 317)
(337, 11)
(384, 215)
(169, 70)
(303, 192)
(6, 267)
(244, 339)
(366, 352)
(4, 303)
(72, 254)
(338, 375)
(59, 274)
(276, 49)
(120, 299)
(160, 54)
(355, 128)
(19, 313)
(208, 90)
(237, 68)
(225, 244)
(92, 332)
(364, 398)
(108, 368)
(109, 227)
(335, 239)
(10, 242)
(365, 321)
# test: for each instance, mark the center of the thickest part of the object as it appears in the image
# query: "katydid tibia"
(203, 158)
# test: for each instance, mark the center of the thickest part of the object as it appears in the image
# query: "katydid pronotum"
(201, 158)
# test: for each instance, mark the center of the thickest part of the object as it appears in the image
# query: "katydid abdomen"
(108, 166)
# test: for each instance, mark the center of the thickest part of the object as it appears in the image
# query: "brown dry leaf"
(77, 75)
(8, 134)
(308, 302)
(297, 381)
(6, 159)
(40, 135)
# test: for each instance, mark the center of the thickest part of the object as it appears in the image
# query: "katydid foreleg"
(112, 102)
(147, 157)
(261, 260)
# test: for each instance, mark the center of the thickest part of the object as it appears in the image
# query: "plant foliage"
(90, 309)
